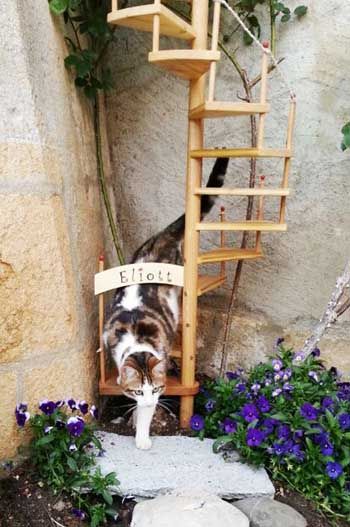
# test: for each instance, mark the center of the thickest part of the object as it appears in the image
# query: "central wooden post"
(193, 180)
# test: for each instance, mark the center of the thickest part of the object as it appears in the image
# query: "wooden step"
(241, 152)
(217, 109)
(185, 63)
(208, 282)
(225, 254)
(210, 191)
(253, 225)
(173, 386)
(141, 18)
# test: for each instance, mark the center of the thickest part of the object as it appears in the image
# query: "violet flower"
(254, 437)
(210, 405)
(197, 423)
(299, 356)
(276, 392)
(75, 426)
(21, 417)
(316, 352)
(309, 412)
(72, 404)
(249, 412)
(263, 404)
(277, 364)
(78, 513)
(334, 469)
(83, 407)
(229, 425)
(47, 407)
(232, 375)
(94, 411)
(313, 375)
(344, 421)
(283, 432)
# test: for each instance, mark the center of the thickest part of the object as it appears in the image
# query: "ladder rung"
(185, 63)
(209, 191)
(216, 109)
(241, 152)
(208, 282)
(242, 226)
(225, 254)
(141, 18)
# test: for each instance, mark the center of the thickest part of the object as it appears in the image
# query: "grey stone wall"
(146, 116)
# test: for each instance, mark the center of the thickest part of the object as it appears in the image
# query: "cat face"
(142, 378)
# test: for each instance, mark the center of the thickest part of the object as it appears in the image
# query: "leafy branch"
(88, 37)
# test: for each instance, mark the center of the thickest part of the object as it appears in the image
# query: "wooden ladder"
(193, 64)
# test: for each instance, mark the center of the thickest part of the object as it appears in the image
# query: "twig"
(269, 69)
(56, 522)
(272, 27)
(332, 312)
(75, 33)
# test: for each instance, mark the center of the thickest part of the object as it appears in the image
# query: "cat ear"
(128, 374)
(159, 369)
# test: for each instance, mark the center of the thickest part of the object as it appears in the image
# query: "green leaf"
(220, 442)
(247, 39)
(107, 497)
(300, 11)
(345, 142)
(346, 129)
(45, 440)
(72, 464)
(285, 18)
(58, 6)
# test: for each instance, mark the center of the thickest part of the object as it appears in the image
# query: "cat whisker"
(166, 409)
(130, 410)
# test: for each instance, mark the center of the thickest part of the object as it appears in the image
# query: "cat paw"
(143, 443)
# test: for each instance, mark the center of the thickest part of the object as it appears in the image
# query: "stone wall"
(51, 229)
(284, 293)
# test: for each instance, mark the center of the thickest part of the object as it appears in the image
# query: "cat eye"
(157, 389)
(138, 392)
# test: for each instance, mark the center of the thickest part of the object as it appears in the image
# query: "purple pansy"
(21, 417)
(327, 403)
(22, 407)
(75, 426)
(232, 375)
(343, 391)
(263, 404)
(278, 449)
(283, 432)
(59, 404)
(72, 447)
(297, 452)
(249, 412)
(47, 429)
(83, 407)
(269, 424)
(47, 407)
(279, 341)
(277, 364)
(344, 421)
(229, 425)
(299, 356)
(287, 387)
(276, 392)
(241, 387)
(254, 437)
(334, 469)
(287, 373)
(298, 434)
(78, 513)
(94, 411)
(327, 448)
(210, 405)
(313, 375)
(197, 422)
(255, 387)
(72, 404)
(278, 376)
(309, 412)
(316, 352)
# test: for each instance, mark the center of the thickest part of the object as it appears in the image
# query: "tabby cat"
(143, 319)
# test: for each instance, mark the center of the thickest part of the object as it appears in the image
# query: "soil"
(25, 502)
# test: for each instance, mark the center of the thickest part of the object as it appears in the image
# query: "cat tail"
(216, 180)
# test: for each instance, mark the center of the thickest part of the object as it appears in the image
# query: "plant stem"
(272, 27)
(102, 181)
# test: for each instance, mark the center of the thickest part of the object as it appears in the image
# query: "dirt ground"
(25, 502)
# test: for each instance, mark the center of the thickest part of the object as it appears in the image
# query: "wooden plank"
(173, 386)
(242, 226)
(207, 283)
(141, 18)
(226, 254)
(219, 109)
(241, 152)
(188, 64)
(206, 191)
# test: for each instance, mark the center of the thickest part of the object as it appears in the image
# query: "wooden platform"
(209, 282)
(226, 254)
(241, 152)
(173, 386)
(141, 18)
(185, 63)
(217, 109)
(253, 225)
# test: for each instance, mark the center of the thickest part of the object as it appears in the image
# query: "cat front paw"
(143, 443)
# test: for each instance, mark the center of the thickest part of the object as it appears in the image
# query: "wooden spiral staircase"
(193, 64)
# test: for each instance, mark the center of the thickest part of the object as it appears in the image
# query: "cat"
(143, 319)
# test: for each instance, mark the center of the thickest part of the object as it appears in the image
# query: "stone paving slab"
(178, 462)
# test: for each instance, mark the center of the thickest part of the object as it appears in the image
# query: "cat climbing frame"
(193, 64)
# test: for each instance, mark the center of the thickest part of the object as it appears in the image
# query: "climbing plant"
(346, 136)
(88, 36)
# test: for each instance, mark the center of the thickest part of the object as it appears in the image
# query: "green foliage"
(293, 418)
(250, 11)
(87, 21)
(64, 460)
(346, 136)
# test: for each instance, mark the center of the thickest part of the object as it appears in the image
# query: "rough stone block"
(187, 511)
(10, 435)
(263, 512)
(175, 463)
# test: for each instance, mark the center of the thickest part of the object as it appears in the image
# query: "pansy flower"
(344, 421)
(197, 422)
(263, 404)
(309, 412)
(229, 425)
(47, 407)
(277, 364)
(254, 437)
(94, 411)
(283, 432)
(78, 513)
(83, 407)
(210, 405)
(249, 412)
(72, 404)
(75, 426)
(21, 416)
(334, 469)
(276, 392)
